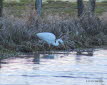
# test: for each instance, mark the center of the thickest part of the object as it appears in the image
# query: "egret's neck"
(56, 43)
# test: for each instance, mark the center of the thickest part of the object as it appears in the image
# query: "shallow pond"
(55, 69)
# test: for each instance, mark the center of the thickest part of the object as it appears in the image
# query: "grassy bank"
(18, 34)
(18, 28)
(51, 7)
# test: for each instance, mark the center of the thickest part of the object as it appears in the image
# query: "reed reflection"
(36, 59)
(0, 64)
(83, 59)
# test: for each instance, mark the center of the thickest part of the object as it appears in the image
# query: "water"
(56, 69)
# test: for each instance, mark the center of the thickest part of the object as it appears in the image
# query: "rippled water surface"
(55, 69)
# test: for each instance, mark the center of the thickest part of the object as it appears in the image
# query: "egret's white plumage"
(50, 38)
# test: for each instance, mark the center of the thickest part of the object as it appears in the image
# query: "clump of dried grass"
(20, 34)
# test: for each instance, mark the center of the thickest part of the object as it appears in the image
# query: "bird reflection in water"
(48, 56)
(83, 59)
(36, 58)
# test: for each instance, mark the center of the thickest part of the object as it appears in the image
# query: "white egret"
(50, 38)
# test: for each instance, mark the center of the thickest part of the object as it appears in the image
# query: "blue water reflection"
(55, 69)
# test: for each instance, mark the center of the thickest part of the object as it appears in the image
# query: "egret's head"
(60, 41)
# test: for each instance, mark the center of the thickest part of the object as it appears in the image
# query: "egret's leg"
(64, 46)
(49, 47)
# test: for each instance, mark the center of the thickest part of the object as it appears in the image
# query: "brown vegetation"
(20, 34)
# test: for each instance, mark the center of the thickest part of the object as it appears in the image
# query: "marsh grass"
(19, 34)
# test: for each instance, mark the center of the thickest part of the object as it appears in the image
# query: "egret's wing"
(48, 37)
